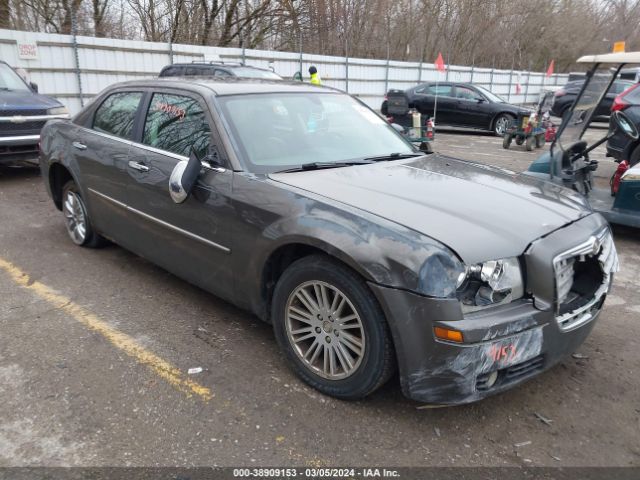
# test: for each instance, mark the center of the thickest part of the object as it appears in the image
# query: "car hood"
(19, 100)
(478, 211)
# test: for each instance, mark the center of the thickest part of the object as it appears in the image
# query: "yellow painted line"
(128, 345)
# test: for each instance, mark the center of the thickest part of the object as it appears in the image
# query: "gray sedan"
(304, 206)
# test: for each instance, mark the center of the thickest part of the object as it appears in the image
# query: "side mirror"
(184, 177)
(34, 86)
(624, 125)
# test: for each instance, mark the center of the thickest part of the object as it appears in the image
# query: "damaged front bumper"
(502, 346)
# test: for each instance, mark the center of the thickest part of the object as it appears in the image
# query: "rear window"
(172, 72)
(619, 87)
(117, 113)
(633, 95)
(248, 72)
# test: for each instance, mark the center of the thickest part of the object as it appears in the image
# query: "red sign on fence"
(27, 51)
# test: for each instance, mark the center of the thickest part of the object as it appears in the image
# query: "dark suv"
(564, 98)
(619, 145)
(220, 70)
(23, 113)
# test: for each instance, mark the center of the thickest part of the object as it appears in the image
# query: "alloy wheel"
(325, 330)
(502, 124)
(75, 216)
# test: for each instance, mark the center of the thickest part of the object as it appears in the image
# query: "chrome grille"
(572, 308)
(22, 112)
(24, 128)
(564, 278)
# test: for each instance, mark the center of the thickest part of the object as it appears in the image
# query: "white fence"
(75, 72)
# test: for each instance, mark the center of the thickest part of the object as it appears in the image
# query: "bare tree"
(513, 34)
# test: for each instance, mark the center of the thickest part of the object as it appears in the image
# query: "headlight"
(490, 283)
(439, 275)
(57, 111)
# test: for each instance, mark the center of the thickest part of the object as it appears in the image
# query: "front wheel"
(502, 123)
(331, 328)
(540, 140)
(77, 219)
(529, 143)
(506, 141)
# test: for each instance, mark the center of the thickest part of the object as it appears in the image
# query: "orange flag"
(440, 63)
(550, 69)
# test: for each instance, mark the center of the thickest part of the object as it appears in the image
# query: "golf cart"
(532, 129)
(568, 163)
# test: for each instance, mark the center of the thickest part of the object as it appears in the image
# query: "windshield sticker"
(170, 110)
(368, 114)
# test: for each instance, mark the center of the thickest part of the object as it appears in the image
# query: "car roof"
(228, 85)
(215, 64)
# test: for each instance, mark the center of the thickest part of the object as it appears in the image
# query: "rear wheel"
(540, 140)
(77, 219)
(331, 328)
(502, 123)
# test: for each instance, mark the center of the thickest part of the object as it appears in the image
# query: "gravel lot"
(96, 344)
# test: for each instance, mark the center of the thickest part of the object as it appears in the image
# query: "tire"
(77, 219)
(501, 123)
(540, 140)
(317, 277)
(528, 145)
(519, 140)
(611, 180)
(384, 109)
(506, 141)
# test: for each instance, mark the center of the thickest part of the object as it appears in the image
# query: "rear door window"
(466, 93)
(190, 71)
(221, 73)
(444, 90)
(117, 114)
(176, 123)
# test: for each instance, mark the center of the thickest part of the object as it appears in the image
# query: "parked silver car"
(302, 205)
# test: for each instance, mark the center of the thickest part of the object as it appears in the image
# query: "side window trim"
(141, 114)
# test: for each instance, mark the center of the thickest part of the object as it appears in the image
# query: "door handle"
(79, 146)
(138, 166)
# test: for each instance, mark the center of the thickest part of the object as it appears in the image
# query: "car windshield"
(573, 126)
(10, 80)
(491, 96)
(277, 131)
(256, 73)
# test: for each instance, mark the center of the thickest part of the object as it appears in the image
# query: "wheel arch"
(281, 257)
(59, 175)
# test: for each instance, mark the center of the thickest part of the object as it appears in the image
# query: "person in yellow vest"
(315, 78)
